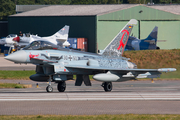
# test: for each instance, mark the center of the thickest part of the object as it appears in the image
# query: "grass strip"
(11, 85)
(92, 117)
(18, 75)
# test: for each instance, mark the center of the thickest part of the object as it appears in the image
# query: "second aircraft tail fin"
(62, 34)
(116, 47)
(153, 34)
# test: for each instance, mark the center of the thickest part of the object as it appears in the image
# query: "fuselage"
(8, 40)
(137, 44)
(68, 57)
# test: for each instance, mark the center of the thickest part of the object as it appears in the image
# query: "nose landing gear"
(61, 85)
(49, 88)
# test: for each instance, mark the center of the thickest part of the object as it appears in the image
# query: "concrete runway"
(136, 97)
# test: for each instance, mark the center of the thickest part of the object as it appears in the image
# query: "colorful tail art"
(117, 45)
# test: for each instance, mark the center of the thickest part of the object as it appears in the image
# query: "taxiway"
(137, 97)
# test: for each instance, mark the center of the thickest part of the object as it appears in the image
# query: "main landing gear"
(107, 86)
(61, 86)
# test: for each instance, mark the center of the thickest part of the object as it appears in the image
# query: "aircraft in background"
(7, 41)
(57, 64)
(59, 38)
(145, 44)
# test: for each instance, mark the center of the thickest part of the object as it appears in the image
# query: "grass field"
(144, 59)
(11, 85)
(93, 117)
(155, 58)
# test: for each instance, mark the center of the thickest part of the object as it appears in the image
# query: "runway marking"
(87, 96)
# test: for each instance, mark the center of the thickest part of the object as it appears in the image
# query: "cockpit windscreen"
(40, 45)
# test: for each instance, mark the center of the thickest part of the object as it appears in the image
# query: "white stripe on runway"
(88, 96)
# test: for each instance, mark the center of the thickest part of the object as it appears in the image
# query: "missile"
(166, 69)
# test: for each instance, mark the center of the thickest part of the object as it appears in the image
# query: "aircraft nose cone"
(17, 57)
(2, 41)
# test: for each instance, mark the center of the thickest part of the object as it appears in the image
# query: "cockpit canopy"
(11, 35)
(41, 45)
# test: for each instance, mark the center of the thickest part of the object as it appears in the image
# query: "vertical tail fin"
(116, 47)
(62, 34)
(153, 34)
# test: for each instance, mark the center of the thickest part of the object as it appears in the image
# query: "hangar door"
(168, 33)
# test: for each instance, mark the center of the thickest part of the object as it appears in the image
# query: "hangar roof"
(24, 8)
(85, 10)
(75, 10)
(175, 9)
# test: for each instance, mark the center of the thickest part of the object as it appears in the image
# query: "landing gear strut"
(49, 88)
(107, 86)
(61, 86)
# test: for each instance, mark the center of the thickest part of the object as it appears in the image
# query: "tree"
(7, 7)
(25, 2)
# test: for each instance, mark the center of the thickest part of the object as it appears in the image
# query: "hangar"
(100, 23)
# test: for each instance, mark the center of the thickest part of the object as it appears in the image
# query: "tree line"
(7, 7)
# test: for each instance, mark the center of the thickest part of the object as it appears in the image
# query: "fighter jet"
(57, 64)
(7, 41)
(145, 44)
(59, 38)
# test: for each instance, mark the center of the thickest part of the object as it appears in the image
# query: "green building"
(101, 23)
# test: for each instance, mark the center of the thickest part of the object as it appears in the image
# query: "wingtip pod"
(167, 69)
(132, 22)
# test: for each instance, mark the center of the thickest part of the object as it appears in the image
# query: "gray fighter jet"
(57, 64)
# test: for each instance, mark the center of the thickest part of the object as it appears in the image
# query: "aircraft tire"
(49, 88)
(61, 86)
(157, 48)
(108, 86)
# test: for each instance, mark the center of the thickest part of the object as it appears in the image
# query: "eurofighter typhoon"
(57, 64)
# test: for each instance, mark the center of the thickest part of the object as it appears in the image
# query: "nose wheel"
(49, 88)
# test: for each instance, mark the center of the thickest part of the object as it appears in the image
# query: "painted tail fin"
(62, 34)
(152, 35)
(116, 47)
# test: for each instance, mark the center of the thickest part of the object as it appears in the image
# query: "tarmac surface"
(131, 97)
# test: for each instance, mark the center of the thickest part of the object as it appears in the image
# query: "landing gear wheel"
(61, 86)
(49, 88)
(107, 86)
